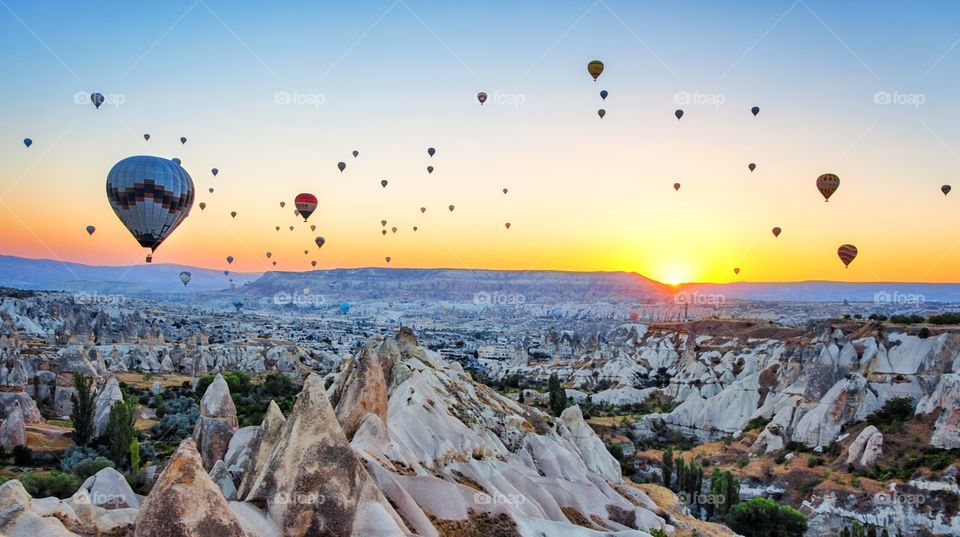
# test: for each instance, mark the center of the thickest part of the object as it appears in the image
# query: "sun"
(674, 273)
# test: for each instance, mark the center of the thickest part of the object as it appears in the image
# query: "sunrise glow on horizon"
(275, 111)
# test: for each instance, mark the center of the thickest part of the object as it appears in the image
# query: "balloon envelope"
(451, 207)
(676, 186)
(320, 242)
(146, 137)
(678, 113)
(945, 189)
(229, 259)
(595, 68)
(27, 142)
(776, 231)
(847, 253)
(203, 205)
(306, 203)
(603, 94)
(183, 139)
(431, 151)
(383, 183)
(755, 110)
(429, 169)
(90, 230)
(827, 184)
(214, 171)
(185, 277)
(342, 166)
(151, 196)
(482, 97)
(601, 113)
(355, 153)
(96, 99)
(752, 166)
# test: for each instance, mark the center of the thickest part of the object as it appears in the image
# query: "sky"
(275, 94)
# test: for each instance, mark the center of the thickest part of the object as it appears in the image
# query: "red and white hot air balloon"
(847, 253)
(306, 203)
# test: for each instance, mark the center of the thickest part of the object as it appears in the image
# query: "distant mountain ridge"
(827, 291)
(52, 275)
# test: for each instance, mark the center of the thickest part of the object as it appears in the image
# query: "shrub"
(89, 467)
(22, 456)
(761, 517)
(54, 483)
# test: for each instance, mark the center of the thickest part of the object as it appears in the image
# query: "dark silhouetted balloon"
(341, 166)
(451, 208)
(429, 169)
(229, 259)
(601, 113)
(384, 183)
(320, 241)
(678, 113)
(96, 99)
(755, 110)
(752, 166)
(355, 153)
(233, 214)
(676, 186)
(203, 205)
(214, 171)
(183, 139)
(90, 230)
(507, 225)
(431, 151)
(847, 253)
(603, 94)
(945, 189)
(146, 137)
(185, 277)
(482, 97)
(776, 231)
(595, 68)
(27, 142)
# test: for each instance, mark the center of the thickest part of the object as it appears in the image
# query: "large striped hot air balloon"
(827, 184)
(306, 204)
(151, 196)
(847, 253)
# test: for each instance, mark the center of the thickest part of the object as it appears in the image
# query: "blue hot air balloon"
(27, 142)
(344, 307)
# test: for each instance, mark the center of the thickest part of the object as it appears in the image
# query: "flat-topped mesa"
(216, 424)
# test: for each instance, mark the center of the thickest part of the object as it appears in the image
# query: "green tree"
(83, 400)
(120, 430)
(761, 517)
(724, 493)
(666, 466)
(135, 454)
(558, 396)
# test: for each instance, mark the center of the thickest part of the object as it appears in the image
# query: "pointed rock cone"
(185, 502)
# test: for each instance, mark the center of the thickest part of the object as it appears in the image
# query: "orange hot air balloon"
(306, 204)
(847, 253)
(736, 270)
(776, 231)
(827, 184)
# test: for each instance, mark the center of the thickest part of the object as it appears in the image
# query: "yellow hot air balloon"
(595, 68)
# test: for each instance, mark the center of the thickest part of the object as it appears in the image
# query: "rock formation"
(216, 424)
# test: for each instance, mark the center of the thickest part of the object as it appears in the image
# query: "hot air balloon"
(313, 227)
(423, 210)
(291, 228)
(90, 230)
(96, 99)
(847, 253)
(342, 166)
(387, 259)
(313, 263)
(736, 270)
(603, 94)
(776, 231)
(320, 242)
(355, 153)
(177, 161)
(151, 196)
(507, 225)
(344, 307)
(306, 204)
(146, 137)
(214, 171)
(755, 110)
(237, 303)
(305, 252)
(945, 189)
(226, 273)
(211, 190)
(505, 190)
(283, 204)
(752, 166)
(203, 205)
(482, 97)
(383, 231)
(601, 113)
(450, 207)
(429, 169)
(383, 223)
(676, 186)
(414, 228)
(394, 229)
(27, 142)
(431, 151)
(678, 113)
(274, 263)
(383, 183)
(269, 255)
(595, 68)
(185, 277)
(233, 214)
(183, 139)
(229, 259)
(278, 228)
(827, 184)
